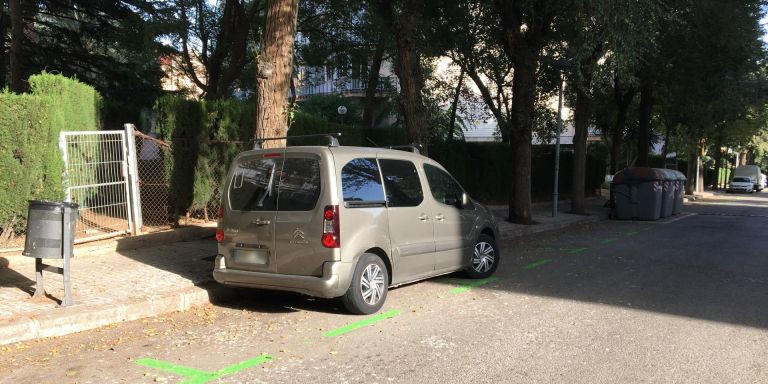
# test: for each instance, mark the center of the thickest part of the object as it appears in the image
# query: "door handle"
(423, 217)
(261, 221)
(439, 217)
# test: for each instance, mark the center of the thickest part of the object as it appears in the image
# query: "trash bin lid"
(636, 175)
(52, 205)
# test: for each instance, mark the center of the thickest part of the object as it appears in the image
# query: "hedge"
(194, 126)
(31, 164)
(204, 136)
(483, 169)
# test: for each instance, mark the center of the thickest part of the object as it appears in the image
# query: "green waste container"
(637, 194)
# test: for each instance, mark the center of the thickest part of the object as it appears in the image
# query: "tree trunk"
(455, 105)
(644, 126)
(17, 41)
(691, 174)
(408, 70)
(369, 102)
(581, 116)
(718, 155)
(524, 91)
(623, 101)
(277, 57)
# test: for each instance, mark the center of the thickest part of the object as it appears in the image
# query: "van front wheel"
(368, 290)
(485, 258)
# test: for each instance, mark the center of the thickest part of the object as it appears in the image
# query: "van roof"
(372, 151)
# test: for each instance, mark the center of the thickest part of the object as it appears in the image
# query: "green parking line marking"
(574, 250)
(536, 264)
(179, 370)
(196, 376)
(362, 323)
(606, 241)
(465, 287)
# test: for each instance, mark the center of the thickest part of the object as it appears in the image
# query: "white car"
(741, 184)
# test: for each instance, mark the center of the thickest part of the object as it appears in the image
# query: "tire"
(485, 258)
(362, 298)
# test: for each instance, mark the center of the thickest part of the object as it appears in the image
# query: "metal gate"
(99, 169)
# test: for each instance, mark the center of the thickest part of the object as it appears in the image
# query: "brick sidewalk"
(122, 285)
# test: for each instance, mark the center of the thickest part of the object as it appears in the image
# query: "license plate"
(250, 256)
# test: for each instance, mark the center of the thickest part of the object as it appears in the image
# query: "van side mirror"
(464, 200)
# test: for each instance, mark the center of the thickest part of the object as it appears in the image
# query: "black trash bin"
(51, 235)
(50, 229)
(637, 194)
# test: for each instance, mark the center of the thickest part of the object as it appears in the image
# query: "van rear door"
(299, 220)
(249, 223)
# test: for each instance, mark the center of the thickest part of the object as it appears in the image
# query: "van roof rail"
(415, 148)
(333, 140)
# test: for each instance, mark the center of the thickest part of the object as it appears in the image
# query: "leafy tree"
(216, 39)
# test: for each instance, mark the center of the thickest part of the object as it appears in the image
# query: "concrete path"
(165, 274)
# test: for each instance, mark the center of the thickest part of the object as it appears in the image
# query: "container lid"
(52, 205)
(635, 175)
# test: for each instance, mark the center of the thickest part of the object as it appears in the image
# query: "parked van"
(751, 171)
(349, 222)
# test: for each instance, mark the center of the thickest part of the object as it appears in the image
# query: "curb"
(122, 244)
(64, 321)
(508, 234)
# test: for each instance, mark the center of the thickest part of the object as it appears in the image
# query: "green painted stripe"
(196, 376)
(465, 287)
(606, 241)
(574, 250)
(362, 323)
(537, 264)
(179, 370)
(244, 365)
(202, 379)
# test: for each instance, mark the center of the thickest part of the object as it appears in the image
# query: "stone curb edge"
(64, 321)
(531, 229)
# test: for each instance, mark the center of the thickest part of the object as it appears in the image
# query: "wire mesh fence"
(180, 181)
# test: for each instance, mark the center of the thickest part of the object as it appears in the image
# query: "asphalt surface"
(682, 300)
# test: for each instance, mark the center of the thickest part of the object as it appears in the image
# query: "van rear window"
(291, 184)
(254, 186)
(299, 185)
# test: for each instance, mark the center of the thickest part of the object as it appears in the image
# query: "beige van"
(349, 222)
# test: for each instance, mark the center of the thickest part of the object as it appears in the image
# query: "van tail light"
(219, 235)
(331, 234)
(220, 212)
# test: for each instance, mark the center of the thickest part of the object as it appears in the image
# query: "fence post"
(65, 157)
(133, 179)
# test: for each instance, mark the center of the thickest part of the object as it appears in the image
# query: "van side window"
(402, 183)
(299, 184)
(361, 181)
(443, 187)
(254, 185)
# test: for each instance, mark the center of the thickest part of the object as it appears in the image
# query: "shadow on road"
(709, 267)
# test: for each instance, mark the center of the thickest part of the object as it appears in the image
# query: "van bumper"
(334, 282)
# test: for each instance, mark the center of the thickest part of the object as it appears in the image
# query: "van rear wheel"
(368, 290)
(485, 258)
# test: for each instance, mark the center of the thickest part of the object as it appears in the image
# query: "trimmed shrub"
(483, 169)
(31, 164)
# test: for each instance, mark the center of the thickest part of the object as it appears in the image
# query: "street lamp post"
(342, 110)
(560, 65)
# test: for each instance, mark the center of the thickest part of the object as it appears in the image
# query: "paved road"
(683, 300)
